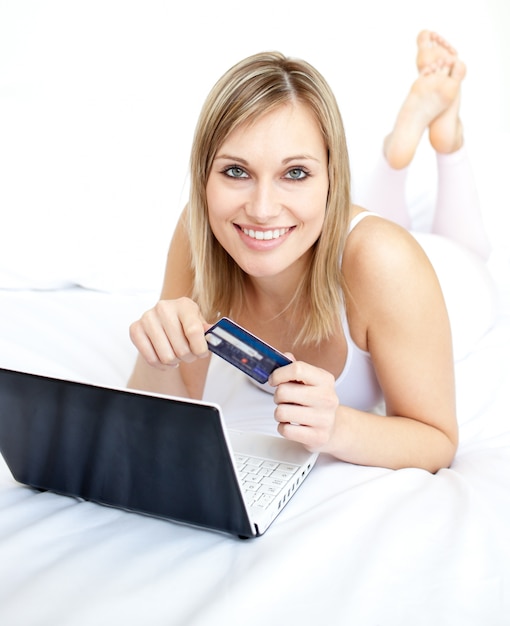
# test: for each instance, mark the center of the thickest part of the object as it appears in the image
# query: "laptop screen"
(159, 456)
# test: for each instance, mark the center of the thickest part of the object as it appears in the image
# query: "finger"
(300, 434)
(182, 328)
(298, 372)
(163, 329)
(306, 405)
(322, 397)
(299, 415)
(193, 330)
(155, 356)
(293, 393)
(313, 433)
(142, 343)
(161, 344)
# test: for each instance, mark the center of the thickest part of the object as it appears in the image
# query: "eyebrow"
(297, 157)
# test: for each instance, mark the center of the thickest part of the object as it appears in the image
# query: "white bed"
(79, 261)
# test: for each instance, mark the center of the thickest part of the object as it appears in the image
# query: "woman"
(270, 238)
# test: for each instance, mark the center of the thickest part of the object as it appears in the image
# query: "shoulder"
(387, 275)
(377, 247)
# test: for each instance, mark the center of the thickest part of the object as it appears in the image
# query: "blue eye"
(235, 172)
(296, 173)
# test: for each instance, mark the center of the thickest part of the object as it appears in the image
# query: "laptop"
(162, 456)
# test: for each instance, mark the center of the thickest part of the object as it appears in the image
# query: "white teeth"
(265, 234)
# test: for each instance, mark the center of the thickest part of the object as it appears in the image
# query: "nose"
(263, 204)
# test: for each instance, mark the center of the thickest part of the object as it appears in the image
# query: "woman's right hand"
(170, 333)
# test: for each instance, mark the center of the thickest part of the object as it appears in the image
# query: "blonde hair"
(250, 89)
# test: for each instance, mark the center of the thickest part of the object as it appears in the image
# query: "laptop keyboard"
(262, 481)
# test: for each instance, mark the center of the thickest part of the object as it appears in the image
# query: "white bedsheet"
(357, 546)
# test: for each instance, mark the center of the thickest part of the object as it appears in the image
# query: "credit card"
(242, 349)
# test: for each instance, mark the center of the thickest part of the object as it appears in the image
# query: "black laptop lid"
(154, 455)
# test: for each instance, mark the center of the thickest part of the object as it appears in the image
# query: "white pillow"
(101, 252)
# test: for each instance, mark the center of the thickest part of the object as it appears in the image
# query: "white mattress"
(357, 545)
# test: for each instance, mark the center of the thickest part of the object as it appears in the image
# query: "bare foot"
(445, 131)
(431, 103)
(433, 48)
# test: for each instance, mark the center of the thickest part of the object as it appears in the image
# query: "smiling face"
(267, 192)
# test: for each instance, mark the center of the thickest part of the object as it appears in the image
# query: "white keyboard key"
(270, 464)
(248, 486)
(284, 467)
(276, 482)
(265, 499)
(282, 475)
(254, 461)
(265, 471)
(250, 497)
(270, 489)
(253, 478)
(263, 502)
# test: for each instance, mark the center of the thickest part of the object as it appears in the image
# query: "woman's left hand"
(306, 402)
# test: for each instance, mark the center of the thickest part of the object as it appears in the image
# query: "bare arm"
(173, 355)
(396, 312)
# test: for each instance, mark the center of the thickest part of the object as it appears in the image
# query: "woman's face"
(267, 191)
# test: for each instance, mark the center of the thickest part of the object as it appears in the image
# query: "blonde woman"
(270, 238)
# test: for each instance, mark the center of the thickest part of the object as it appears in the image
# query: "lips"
(265, 235)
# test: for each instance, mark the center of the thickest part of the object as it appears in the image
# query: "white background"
(99, 98)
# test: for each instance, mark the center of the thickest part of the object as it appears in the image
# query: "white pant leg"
(385, 193)
(458, 216)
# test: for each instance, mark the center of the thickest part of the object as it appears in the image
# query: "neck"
(274, 297)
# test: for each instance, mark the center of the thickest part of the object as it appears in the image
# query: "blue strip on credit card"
(242, 349)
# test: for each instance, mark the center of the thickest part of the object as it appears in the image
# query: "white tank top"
(357, 385)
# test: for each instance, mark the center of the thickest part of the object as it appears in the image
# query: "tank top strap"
(357, 219)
